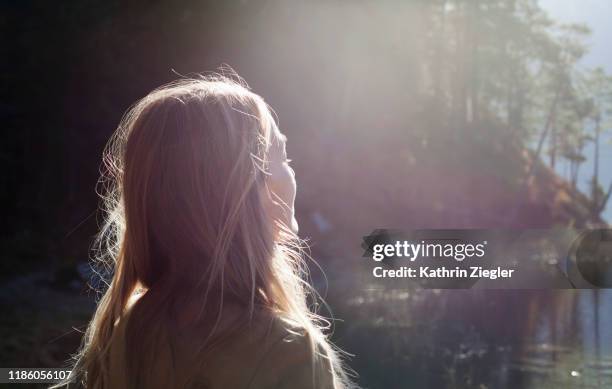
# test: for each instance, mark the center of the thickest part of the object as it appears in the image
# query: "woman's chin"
(295, 227)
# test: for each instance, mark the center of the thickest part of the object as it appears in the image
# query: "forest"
(408, 114)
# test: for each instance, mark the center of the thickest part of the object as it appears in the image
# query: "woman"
(208, 288)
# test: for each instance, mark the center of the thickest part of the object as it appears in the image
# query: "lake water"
(478, 339)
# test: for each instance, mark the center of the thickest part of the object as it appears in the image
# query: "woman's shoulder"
(266, 350)
(293, 358)
(269, 335)
(269, 351)
(278, 328)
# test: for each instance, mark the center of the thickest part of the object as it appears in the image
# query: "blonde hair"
(184, 187)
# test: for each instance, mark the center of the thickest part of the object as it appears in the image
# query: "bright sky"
(594, 13)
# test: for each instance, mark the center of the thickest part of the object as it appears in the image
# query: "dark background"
(400, 114)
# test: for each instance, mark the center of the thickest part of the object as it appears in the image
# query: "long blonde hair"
(184, 189)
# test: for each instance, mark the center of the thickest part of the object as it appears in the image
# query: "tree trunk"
(595, 183)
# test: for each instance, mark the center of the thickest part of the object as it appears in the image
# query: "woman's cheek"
(289, 187)
(282, 184)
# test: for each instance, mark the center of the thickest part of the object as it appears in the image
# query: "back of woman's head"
(191, 215)
(194, 168)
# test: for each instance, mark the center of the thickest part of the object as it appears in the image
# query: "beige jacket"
(269, 354)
